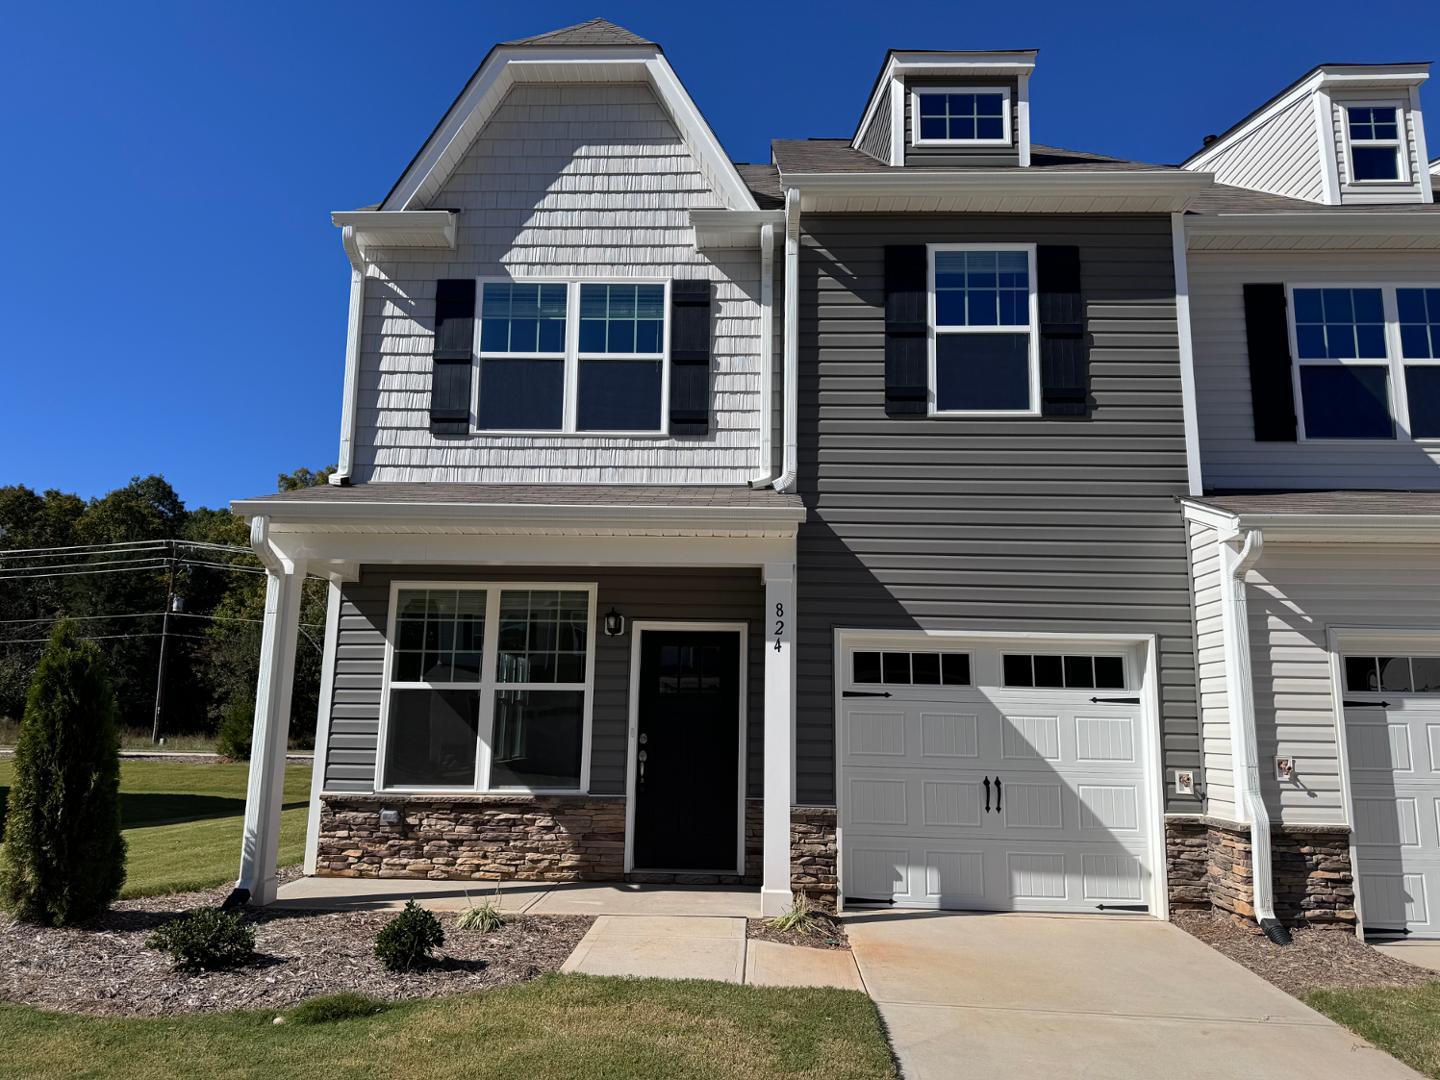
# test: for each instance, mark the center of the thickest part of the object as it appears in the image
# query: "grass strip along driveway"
(1402, 1021)
(556, 1026)
(183, 821)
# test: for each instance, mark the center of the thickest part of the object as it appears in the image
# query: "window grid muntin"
(966, 116)
(977, 92)
(1060, 671)
(489, 685)
(537, 302)
(572, 357)
(1029, 330)
(1366, 129)
(1395, 362)
(1393, 673)
(896, 667)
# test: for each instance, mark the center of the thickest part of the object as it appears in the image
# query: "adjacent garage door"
(1392, 729)
(991, 777)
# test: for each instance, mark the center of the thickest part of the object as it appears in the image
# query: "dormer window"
(1373, 135)
(960, 116)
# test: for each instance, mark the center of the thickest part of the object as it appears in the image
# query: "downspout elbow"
(790, 464)
(1262, 879)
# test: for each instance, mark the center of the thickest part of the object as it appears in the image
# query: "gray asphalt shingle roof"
(1324, 502)
(691, 496)
(592, 32)
(1225, 199)
(838, 156)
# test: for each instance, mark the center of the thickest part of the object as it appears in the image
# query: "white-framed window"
(488, 686)
(572, 356)
(1375, 143)
(984, 337)
(1367, 361)
(960, 116)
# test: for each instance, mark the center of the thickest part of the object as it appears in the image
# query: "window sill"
(992, 144)
(967, 414)
(551, 434)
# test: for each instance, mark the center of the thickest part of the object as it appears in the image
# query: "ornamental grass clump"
(482, 918)
(409, 940)
(802, 918)
(63, 860)
(207, 939)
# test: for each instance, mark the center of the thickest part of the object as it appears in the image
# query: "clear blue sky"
(174, 292)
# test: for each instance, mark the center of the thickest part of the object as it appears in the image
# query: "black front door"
(687, 761)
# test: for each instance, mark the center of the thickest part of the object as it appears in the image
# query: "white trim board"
(632, 746)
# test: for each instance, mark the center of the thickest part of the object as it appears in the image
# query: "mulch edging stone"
(105, 968)
(1317, 959)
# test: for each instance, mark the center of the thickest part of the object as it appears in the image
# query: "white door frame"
(1338, 640)
(632, 745)
(1142, 656)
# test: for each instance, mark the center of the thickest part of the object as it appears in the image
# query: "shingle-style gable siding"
(1042, 524)
(564, 180)
(1282, 156)
(875, 140)
(1230, 457)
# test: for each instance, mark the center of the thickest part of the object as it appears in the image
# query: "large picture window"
(573, 356)
(984, 354)
(1367, 361)
(488, 687)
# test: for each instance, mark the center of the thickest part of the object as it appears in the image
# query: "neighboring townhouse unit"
(1314, 290)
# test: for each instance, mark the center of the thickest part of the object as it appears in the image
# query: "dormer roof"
(592, 32)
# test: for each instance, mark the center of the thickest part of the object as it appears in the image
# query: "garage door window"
(1047, 671)
(893, 668)
(1392, 674)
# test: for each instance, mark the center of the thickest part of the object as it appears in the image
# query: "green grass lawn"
(556, 1026)
(183, 821)
(1404, 1022)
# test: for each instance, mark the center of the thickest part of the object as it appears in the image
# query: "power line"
(102, 637)
(40, 552)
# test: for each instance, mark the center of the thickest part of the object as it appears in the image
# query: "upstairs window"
(1367, 361)
(1375, 145)
(960, 116)
(572, 357)
(984, 355)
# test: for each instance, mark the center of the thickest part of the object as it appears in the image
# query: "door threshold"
(668, 870)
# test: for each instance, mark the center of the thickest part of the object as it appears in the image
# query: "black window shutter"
(907, 331)
(451, 363)
(1064, 349)
(1267, 336)
(689, 357)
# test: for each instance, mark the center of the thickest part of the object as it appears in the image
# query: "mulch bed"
(830, 934)
(1316, 960)
(105, 969)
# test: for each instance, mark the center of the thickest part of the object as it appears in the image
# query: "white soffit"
(508, 65)
(731, 228)
(1319, 527)
(399, 228)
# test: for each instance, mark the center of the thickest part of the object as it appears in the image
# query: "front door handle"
(987, 794)
(640, 757)
(998, 792)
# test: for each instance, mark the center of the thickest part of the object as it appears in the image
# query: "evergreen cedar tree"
(63, 860)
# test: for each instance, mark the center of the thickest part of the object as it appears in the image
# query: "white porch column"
(775, 895)
(259, 847)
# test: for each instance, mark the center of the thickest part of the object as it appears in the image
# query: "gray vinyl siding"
(991, 524)
(931, 157)
(876, 139)
(1208, 584)
(1230, 456)
(1283, 155)
(721, 595)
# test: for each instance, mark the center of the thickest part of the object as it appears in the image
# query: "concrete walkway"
(1425, 954)
(1024, 996)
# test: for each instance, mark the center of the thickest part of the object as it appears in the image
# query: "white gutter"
(767, 355)
(1351, 222)
(790, 466)
(1190, 405)
(346, 462)
(1244, 744)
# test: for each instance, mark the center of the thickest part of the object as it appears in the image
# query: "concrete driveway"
(1020, 996)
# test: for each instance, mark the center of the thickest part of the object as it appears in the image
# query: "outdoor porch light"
(614, 623)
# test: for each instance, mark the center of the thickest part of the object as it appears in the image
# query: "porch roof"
(1324, 516)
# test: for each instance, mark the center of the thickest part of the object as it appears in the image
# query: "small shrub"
(802, 918)
(333, 1008)
(63, 860)
(206, 940)
(483, 919)
(237, 726)
(407, 940)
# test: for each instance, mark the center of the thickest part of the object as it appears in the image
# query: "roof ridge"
(596, 31)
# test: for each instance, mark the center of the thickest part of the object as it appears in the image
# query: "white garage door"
(1392, 728)
(992, 778)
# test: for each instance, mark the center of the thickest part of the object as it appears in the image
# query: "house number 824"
(779, 624)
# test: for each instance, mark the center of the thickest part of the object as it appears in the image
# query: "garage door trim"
(1359, 639)
(1143, 650)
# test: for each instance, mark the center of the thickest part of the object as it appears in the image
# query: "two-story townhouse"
(564, 638)
(552, 536)
(1314, 520)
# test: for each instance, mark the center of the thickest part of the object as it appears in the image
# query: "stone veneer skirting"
(1209, 864)
(536, 838)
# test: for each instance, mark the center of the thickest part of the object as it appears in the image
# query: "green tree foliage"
(63, 860)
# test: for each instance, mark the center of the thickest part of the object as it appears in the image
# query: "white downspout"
(345, 464)
(1244, 744)
(790, 465)
(767, 355)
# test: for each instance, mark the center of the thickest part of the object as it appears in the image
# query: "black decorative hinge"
(1124, 907)
(866, 693)
(1366, 704)
(1114, 701)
